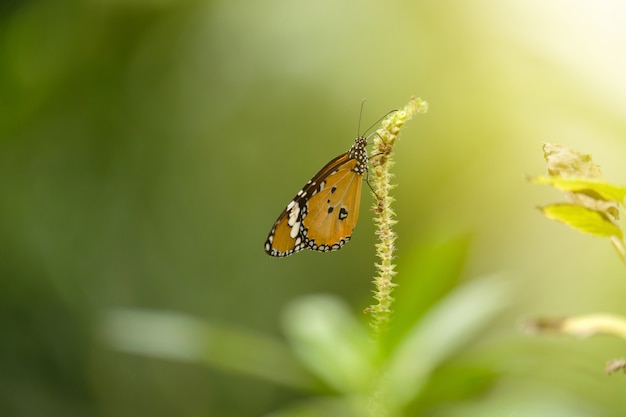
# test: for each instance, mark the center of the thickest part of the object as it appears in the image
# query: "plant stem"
(382, 161)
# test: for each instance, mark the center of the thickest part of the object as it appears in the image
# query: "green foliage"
(441, 266)
(593, 209)
(180, 337)
(326, 342)
(593, 203)
(582, 219)
(593, 187)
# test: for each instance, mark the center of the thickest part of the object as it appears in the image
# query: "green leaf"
(343, 406)
(455, 384)
(179, 337)
(582, 219)
(444, 331)
(601, 189)
(426, 274)
(327, 337)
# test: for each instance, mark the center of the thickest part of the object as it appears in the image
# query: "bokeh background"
(147, 146)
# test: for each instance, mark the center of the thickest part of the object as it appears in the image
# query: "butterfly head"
(358, 152)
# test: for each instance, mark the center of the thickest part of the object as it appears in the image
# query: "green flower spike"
(382, 161)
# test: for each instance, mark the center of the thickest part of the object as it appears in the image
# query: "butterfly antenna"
(377, 121)
(358, 128)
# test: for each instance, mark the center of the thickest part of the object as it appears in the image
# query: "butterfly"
(324, 212)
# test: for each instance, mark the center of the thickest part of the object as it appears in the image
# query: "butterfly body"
(324, 212)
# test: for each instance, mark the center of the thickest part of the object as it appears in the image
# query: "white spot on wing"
(295, 229)
(294, 212)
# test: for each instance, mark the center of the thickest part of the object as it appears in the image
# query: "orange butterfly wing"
(323, 214)
(334, 210)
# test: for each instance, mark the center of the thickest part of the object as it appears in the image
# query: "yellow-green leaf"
(582, 219)
(602, 189)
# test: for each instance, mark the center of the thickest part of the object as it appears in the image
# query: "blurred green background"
(147, 146)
